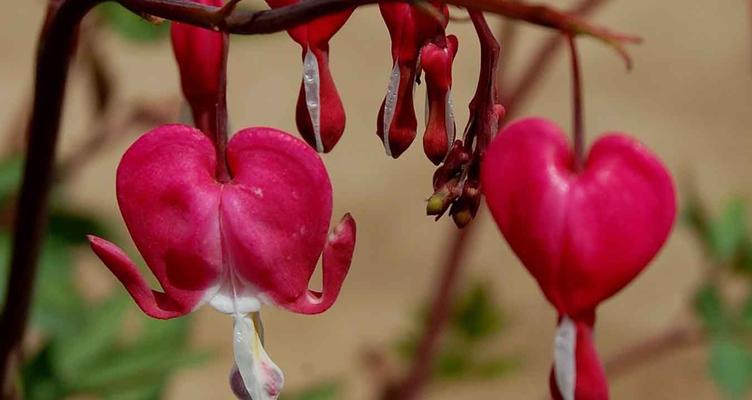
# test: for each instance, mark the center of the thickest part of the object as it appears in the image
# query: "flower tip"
(436, 204)
(462, 217)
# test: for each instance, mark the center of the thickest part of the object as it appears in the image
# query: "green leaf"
(476, 317)
(39, 379)
(4, 261)
(326, 391)
(71, 227)
(709, 307)
(11, 170)
(452, 364)
(57, 308)
(144, 391)
(122, 369)
(695, 216)
(131, 26)
(730, 366)
(728, 232)
(98, 334)
(494, 368)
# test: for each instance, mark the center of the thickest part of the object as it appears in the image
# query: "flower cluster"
(243, 223)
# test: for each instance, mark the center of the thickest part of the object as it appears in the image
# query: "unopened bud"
(436, 60)
(319, 113)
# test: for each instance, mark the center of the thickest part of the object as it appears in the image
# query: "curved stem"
(56, 45)
(578, 129)
(540, 62)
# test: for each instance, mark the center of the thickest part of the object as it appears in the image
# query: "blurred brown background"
(689, 98)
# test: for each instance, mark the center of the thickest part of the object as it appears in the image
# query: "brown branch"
(422, 366)
(541, 62)
(675, 338)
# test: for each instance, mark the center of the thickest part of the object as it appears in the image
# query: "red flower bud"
(409, 29)
(201, 58)
(320, 115)
(436, 61)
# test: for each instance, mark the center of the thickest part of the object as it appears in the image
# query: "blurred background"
(682, 330)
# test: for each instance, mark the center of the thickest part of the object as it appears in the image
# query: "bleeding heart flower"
(320, 115)
(436, 60)
(200, 54)
(236, 245)
(582, 235)
(409, 28)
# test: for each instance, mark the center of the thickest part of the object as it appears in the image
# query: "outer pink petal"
(152, 303)
(170, 201)
(275, 212)
(337, 257)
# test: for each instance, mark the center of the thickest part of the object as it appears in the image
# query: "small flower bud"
(200, 54)
(319, 113)
(436, 61)
(409, 29)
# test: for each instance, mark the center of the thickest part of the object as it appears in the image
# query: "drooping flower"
(235, 245)
(582, 235)
(320, 115)
(201, 57)
(410, 28)
(436, 60)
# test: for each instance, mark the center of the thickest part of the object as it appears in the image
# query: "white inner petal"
(311, 85)
(565, 363)
(390, 104)
(233, 298)
(449, 118)
(262, 378)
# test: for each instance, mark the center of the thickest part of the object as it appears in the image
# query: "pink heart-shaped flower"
(583, 235)
(253, 240)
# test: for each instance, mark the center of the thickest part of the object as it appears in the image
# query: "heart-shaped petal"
(254, 239)
(586, 235)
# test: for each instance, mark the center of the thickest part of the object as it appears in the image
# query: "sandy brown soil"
(688, 98)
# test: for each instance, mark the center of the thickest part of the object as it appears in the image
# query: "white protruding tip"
(262, 378)
(565, 363)
(311, 86)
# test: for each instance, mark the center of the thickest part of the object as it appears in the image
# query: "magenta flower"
(582, 235)
(237, 245)
(410, 29)
(320, 115)
(201, 57)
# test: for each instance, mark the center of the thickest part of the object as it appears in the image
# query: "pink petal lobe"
(170, 202)
(152, 303)
(337, 257)
(275, 212)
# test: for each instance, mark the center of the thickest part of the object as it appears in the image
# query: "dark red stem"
(539, 63)
(578, 119)
(56, 45)
(221, 133)
(486, 93)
